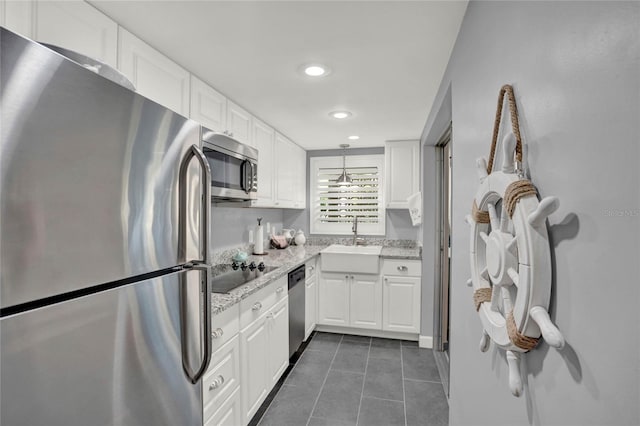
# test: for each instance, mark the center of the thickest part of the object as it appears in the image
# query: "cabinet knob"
(403, 268)
(219, 381)
(256, 306)
(270, 315)
(346, 277)
(218, 332)
(280, 290)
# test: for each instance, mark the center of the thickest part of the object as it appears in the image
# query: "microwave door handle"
(201, 265)
(251, 177)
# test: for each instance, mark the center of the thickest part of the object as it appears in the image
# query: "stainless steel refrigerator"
(105, 293)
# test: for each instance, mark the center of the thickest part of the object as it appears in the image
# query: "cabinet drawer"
(230, 414)
(222, 377)
(409, 268)
(261, 301)
(224, 326)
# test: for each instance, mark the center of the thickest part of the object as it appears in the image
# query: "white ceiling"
(387, 57)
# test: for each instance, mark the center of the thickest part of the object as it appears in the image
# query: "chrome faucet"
(354, 229)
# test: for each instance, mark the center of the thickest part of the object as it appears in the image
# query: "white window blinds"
(334, 206)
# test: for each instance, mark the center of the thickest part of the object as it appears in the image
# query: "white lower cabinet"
(351, 300)
(333, 300)
(389, 301)
(401, 295)
(254, 349)
(229, 414)
(365, 301)
(264, 344)
(311, 299)
(278, 333)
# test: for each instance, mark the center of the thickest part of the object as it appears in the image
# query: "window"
(332, 207)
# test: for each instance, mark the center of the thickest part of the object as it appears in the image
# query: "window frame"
(319, 228)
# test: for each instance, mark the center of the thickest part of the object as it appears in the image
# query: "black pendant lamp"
(344, 178)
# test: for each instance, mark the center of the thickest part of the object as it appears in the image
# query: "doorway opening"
(443, 262)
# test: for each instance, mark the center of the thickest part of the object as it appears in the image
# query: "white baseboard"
(367, 332)
(425, 342)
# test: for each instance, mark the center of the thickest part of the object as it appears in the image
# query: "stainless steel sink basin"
(230, 279)
(357, 259)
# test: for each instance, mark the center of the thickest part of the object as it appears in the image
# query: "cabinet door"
(401, 307)
(19, 17)
(300, 178)
(239, 124)
(77, 26)
(253, 353)
(229, 414)
(278, 324)
(208, 107)
(402, 169)
(310, 306)
(264, 139)
(333, 302)
(154, 75)
(366, 301)
(285, 157)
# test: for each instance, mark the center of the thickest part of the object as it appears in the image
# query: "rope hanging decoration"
(510, 254)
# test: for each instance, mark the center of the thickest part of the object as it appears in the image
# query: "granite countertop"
(286, 260)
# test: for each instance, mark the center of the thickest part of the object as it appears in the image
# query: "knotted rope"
(520, 340)
(515, 125)
(515, 191)
(478, 215)
(481, 295)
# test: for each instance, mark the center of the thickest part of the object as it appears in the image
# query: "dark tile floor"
(354, 380)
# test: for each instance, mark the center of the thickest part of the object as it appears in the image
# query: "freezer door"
(89, 175)
(112, 358)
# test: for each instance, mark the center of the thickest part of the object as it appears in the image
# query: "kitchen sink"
(230, 279)
(357, 259)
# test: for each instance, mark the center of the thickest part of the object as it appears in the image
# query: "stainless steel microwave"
(234, 167)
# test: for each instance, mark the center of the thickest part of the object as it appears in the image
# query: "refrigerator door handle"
(202, 264)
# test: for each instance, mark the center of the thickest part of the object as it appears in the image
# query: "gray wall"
(230, 225)
(398, 222)
(575, 68)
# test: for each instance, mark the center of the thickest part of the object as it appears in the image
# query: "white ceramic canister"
(300, 239)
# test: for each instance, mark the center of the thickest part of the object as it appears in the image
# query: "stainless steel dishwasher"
(297, 290)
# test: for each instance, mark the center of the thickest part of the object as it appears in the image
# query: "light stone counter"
(288, 259)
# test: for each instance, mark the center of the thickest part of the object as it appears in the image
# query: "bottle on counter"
(258, 247)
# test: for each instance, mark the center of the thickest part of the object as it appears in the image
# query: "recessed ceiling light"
(315, 70)
(354, 138)
(340, 114)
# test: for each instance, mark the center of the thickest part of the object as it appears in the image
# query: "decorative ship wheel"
(510, 254)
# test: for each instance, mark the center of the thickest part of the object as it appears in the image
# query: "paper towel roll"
(258, 247)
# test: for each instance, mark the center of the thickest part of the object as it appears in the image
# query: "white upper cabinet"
(285, 177)
(154, 75)
(239, 124)
(300, 178)
(19, 17)
(264, 139)
(208, 107)
(73, 25)
(402, 168)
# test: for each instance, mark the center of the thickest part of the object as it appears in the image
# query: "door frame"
(442, 255)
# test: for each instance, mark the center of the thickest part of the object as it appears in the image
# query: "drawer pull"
(256, 306)
(280, 290)
(219, 381)
(218, 332)
(403, 268)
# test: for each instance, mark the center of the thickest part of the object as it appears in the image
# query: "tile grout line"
(404, 394)
(364, 380)
(324, 381)
(424, 381)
